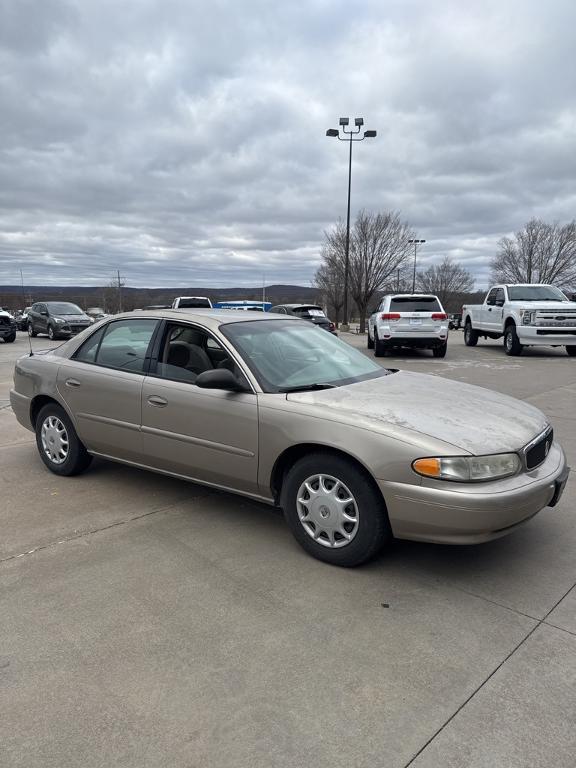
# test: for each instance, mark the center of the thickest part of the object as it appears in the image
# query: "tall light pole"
(416, 244)
(349, 136)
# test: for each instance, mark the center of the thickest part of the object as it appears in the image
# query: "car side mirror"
(219, 378)
(44, 312)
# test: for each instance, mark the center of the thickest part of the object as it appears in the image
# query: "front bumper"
(471, 513)
(534, 336)
(7, 330)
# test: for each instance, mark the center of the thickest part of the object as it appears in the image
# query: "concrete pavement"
(150, 622)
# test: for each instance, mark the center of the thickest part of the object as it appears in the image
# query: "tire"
(379, 347)
(369, 341)
(571, 350)
(31, 331)
(440, 351)
(470, 335)
(53, 424)
(51, 334)
(512, 346)
(367, 523)
(10, 339)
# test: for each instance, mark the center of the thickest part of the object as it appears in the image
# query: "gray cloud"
(184, 142)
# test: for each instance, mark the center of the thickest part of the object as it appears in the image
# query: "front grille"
(77, 328)
(536, 452)
(557, 332)
(6, 321)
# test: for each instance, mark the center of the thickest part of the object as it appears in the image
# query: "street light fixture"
(349, 136)
(416, 244)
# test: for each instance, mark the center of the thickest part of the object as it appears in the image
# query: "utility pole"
(416, 244)
(120, 284)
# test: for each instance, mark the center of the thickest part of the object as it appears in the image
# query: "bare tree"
(378, 248)
(330, 283)
(447, 280)
(541, 252)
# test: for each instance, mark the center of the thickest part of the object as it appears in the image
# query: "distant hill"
(11, 296)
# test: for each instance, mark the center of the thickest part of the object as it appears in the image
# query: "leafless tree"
(541, 252)
(330, 283)
(378, 248)
(447, 280)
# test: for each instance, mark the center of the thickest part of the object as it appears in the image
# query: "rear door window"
(123, 345)
(410, 304)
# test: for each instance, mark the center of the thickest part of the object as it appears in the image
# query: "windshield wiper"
(307, 387)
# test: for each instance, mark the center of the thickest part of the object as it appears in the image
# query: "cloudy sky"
(184, 142)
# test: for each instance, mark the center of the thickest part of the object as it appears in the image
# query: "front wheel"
(334, 510)
(512, 345)
(31, 331)
(571, 350)
(51, 334)
(440, 351)
(470, 335)
(58, 444)
(10, 339)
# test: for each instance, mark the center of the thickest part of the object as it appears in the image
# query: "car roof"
(210, 318)
(293, 306)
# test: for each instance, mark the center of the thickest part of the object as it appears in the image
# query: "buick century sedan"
(276, 409)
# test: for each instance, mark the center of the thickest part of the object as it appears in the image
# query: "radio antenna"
(24, 300)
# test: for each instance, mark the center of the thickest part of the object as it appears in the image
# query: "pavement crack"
(478, 688)
(92, 531)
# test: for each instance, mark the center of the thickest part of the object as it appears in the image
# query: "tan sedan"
(280, 411)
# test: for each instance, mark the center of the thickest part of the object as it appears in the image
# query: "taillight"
(439, 316)
(390, 316)
(332, 327)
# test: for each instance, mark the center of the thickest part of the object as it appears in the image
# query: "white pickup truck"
(525, 315)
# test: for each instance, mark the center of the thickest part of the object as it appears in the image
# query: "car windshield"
(415, 304)
(286, 355)
(311, 311)
(63, 308)
(535, 293)
(193, 303)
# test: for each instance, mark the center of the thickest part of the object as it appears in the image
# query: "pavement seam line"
(98, 530)
(439, 730)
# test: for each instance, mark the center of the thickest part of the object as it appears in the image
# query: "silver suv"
(409, 320)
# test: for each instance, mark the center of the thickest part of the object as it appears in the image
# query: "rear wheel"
(379, 346)
(512, 344)
(470, 335)
(440, 351)
(334, 510)
(58, 444)
(369, 341)
(571, 351)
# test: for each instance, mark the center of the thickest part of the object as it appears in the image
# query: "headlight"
(468, 469)
(59, 320)
(528, 316)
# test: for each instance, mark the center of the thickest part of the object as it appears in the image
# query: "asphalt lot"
(149, 622)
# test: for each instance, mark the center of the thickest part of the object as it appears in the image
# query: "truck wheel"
(10, 339)
(512, 345)
(571, 351)
(440, 351)
(379, 348)
(369, 341)
(470, 335)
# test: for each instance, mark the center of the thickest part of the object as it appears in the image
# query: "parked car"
(524, 315)
(310, 312)
(454, 322)
(96, 313)
(7, 326)
(58, 319)
(408, 320)
(192, 302)
(275, 409)
(22, 320)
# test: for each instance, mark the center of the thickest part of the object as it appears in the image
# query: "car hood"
(471, 418)
(72, 318)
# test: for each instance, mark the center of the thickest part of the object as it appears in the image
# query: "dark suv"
(7, 326)
(59, 319)
(311, 312)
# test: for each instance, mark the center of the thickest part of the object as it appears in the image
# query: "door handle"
(73, 383)
(159, 402)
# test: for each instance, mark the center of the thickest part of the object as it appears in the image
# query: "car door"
(102, 386)
(41, 319)
(487, 310)
(204, 434)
